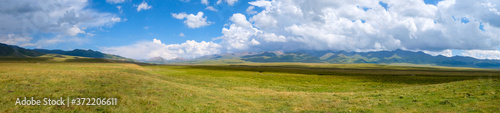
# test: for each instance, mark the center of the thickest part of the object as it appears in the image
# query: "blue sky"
(143, 29)
(156, 22)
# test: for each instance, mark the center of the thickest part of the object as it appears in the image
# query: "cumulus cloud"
(143, 6)
(242, 36)
(116, 19)
(25, 18)
(239, 35)
(483, 54)
(204, 2)
(115, 1)
(229, 2)
(182, 35)
(13, 39)
(447, 53)
(211, 8)
(155, 48)
(74, 31)
(250, 10)
(365, 26)
(261, 3)
(193, 21)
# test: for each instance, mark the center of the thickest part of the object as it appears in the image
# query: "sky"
(143, 29)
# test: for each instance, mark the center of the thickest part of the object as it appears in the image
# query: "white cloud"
(26, 18)
(447, 53)
(115, 1)
(261, 3)
(250, 10)
(120, 8)
(13, 39)
(74, 31)
(182, 35)
(204, 2)
(239, 34)
(143, 6)
(492, 7)
(211, 8)
(483, 54)
(264, 21)
(193, 21)
(144, 50)
(229, 2)
(365, 26)
(116, 19)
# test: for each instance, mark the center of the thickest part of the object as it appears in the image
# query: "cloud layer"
(365, 26)
(483, 54)
(21, 19)
(155, 48)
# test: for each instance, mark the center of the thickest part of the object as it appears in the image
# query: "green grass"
(252, 87)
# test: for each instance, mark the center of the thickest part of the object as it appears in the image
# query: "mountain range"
(86, 53)
(336, 57)
(377, 57)
(12, 51)
(344, 57)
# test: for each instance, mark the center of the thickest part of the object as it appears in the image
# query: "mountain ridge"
(13, 52)
(376, 57)
(86, 53)
(326, 56)
(345, 57)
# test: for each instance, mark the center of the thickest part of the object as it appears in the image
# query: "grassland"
(274, 87)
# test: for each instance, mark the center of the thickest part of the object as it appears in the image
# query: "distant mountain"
(378, 57)
(343, 57)
(16, 51)
(87, 53)
(288, 57)
(12, 51)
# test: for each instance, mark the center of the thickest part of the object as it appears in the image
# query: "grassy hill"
(252, 87)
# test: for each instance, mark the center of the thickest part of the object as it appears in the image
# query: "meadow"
(252, 87)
